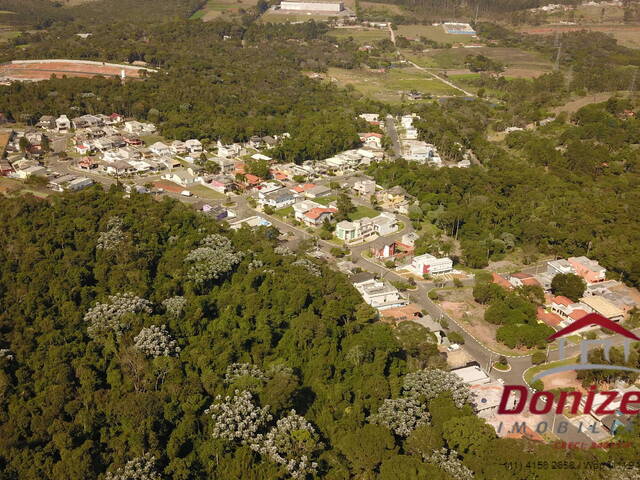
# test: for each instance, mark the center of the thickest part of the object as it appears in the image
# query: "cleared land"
(362, 36)
(215, 8)
(575, 105)
(460, 305)
(627, 35)
(437, 34)
(519, 63)
(380, 7)
(390, 86)
(7, 33)
(43, 70)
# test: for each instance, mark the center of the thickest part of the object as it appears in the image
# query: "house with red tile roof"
(521, 279)
(311, 213)
(370, 139)
(500, 280)
(316, 216)
(302, 188)
(549, 318)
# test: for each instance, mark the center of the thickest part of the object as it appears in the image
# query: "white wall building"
(429, 265)
(331, 7)
(380, 295)
(383, 224)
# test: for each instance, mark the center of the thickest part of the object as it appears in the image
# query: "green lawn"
(362, 211)
(360, 36)
(8, 34)
(437, 34)
(206, 193)
(153, 138)
(284, 212)
(214, 8)
(326, 200)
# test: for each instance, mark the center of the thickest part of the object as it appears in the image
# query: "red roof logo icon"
(591, 319)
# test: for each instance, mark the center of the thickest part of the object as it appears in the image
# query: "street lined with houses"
(331, 203)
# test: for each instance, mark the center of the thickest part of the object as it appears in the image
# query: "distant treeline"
(44, 13)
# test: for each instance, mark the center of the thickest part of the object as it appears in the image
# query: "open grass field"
(437, 34)
(362, 36)
(215, 8)
(6, 33)
(519, 63)
(627, 35)
(390, 86)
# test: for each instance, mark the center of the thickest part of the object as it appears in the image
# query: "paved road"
(393, 135)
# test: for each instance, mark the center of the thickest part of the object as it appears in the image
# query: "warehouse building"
(311, 6)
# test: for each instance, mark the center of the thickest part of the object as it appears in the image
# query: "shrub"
(455, 337)
(538, 357)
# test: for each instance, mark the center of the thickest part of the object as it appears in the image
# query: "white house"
(228, 150)
(379, 295)
(193, 146)
(411, 133)
(371, 140)
(554, 267)
(277, 199)
(311, 213)
(63, 124)
(472, 375)
(178, 147)
(365, 187)
(160, 149)
(429, 265)
(383, 224)
(370, 117)
(132, 126)
(227, 166)
(79, 183)
(34, 170)
(184, 179)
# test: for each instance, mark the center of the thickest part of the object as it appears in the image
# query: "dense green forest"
(119, 330)
(44, 13)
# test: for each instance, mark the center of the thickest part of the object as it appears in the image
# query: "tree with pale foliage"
(140, 468)
(240, 370)
(155, 341)
(113, 236)
(311, 267)
(111, 316)
(174, 306)
(450, 463)
(214, 258)
(401, 415)
(427, 384)
(292, 443)
(236, 418)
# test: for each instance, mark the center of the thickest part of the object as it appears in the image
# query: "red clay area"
(44, 70)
